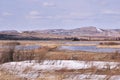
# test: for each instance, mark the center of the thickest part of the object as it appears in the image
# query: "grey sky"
(66, 14)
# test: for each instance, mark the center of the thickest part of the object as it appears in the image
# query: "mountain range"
(82, 32)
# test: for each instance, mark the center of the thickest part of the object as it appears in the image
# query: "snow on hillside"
(99, 30)
(33, 69)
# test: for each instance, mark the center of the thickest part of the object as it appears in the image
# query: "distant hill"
(83, 32)
(9, 32)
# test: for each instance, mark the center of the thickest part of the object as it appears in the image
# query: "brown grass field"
(49, 51)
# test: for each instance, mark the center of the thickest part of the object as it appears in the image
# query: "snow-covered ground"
(33, 69)
(92, 77)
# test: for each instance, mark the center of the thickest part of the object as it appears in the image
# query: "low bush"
(10, 53)
(109, 43)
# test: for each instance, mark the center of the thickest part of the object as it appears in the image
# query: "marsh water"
(30, 47)
(73, 46)
(89, 48)
(21, 47)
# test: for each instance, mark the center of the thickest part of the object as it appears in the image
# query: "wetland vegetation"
(55, 63)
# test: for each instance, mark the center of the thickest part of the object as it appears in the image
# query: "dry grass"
(49, 52)
(109, 43)
(7, 76)
(83, 56)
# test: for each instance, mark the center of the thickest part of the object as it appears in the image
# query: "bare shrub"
(8, 51)
(22, 54)
(115, 55)
(109, 43)
(40, 54)
(13, 43)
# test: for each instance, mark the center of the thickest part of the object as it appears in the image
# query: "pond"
(83, 42)
(89, 48)
(30, 47)
(21, 47)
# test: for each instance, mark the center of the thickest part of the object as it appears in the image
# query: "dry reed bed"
(7, 76)
(51, 53)
(81, 55)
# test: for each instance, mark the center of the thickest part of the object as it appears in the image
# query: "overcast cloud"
(66, 14)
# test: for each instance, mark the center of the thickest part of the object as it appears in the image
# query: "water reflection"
(89, 48)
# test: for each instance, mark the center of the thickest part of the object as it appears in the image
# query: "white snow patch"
(33, 69)
(99, 30)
